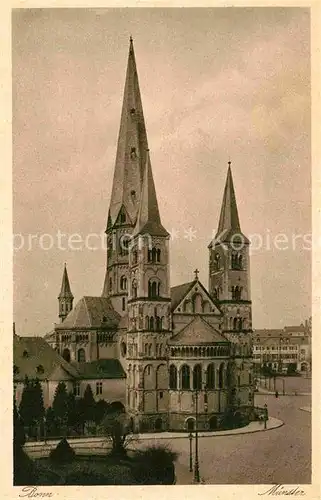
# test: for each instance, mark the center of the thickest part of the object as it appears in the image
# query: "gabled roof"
(65, 291)
(148, 218)
(178, 293)
(33, 357)
(91, 312)
(198, 331)
(101, 369)
(131, 148)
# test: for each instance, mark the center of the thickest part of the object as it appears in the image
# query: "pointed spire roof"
(131, 148)
(229, 218)
(65, 291)
(229, 223)
(148, 219)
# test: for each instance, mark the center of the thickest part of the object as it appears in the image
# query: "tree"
(25, 408)
(101, 409)
(118, 429)
(60, 404)
(19, 437)
(89, 405)
(31, 407)
(38, 406)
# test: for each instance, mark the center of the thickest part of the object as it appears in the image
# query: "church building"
(185, 351)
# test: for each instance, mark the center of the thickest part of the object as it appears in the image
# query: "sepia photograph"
(162, 247)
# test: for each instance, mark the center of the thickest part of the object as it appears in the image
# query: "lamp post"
(44, 430)
(190, 437)
(196, 467)
(265, 415)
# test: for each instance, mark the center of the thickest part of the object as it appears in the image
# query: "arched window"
(123, 283)
(146, 323)
(172, 377)
(151, 323)
(217, 262)
(197, 303)
(158, 324)
(210, 376)
(135, 256)
(197, 377)
(240, 323)
(153, 289)
(185, 377)
(110, 284)
(81, 356)
(134, 289)
(221, 376)
(154, 254)
(239, 380)
(240, 262)
(158, 256)
(234, 323)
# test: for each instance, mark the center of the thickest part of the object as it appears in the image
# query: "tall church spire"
(65, 298)
(148, 219)
(131, 148)
(65, 291)
(229, 218)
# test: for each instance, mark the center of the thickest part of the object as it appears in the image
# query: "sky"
(217, 84)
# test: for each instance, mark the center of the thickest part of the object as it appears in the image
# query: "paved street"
(281, 455)
(291, 384)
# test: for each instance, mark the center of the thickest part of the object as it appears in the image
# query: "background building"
(283, 350)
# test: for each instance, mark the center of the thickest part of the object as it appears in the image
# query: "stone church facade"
(181, 348)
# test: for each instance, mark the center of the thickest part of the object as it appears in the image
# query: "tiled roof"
(91, 312)
(33, 357)
(101, 369)
(179, 292)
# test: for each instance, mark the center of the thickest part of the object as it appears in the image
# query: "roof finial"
(131, 39)
(196, 273)
(229, 162)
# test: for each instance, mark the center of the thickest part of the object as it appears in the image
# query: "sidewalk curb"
(306, 408)
(272, 423)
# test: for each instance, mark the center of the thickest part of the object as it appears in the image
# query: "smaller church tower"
(65, 297)
(229, 285)
(149, 314)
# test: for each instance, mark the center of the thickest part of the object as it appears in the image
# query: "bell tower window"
(217, 262)
(134, 289)
(133, 154)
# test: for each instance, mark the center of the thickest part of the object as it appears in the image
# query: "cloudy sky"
(216, 84)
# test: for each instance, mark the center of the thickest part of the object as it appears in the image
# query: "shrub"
(63, 453)
(24, 472)
(155, 465)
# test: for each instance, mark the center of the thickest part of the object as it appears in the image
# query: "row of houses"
(283, 349)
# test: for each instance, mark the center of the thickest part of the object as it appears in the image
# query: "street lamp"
(190, 437)
(44, 430)
(196, 468)
(265, 415)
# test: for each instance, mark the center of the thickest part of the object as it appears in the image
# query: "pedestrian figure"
(276, 394)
